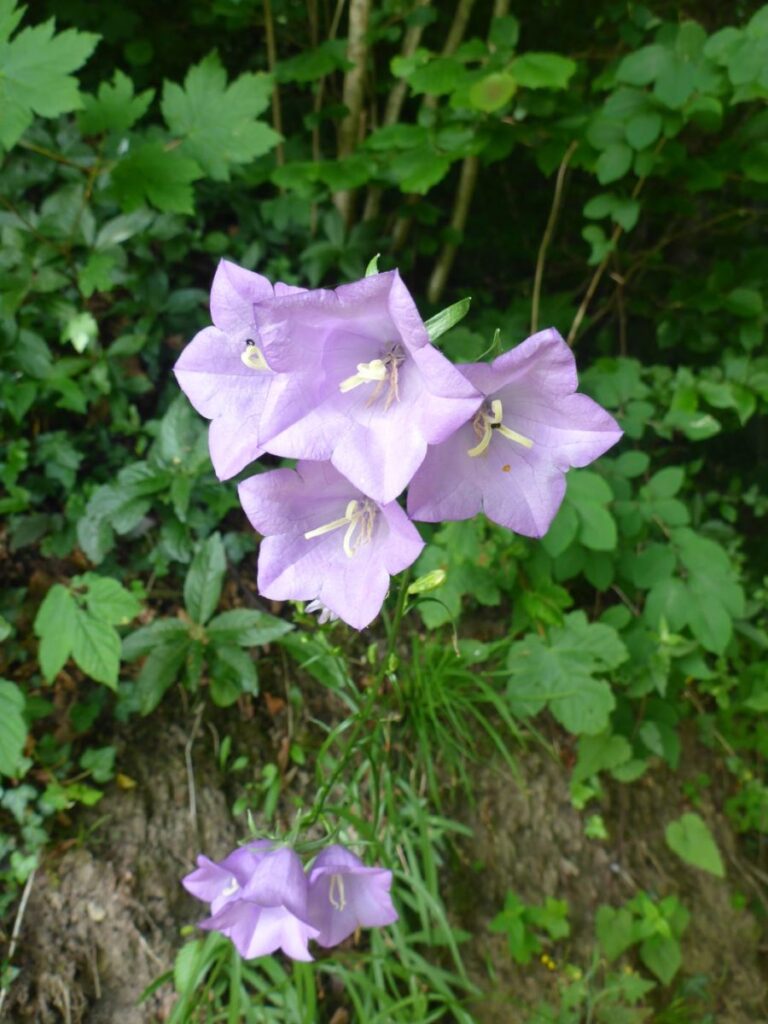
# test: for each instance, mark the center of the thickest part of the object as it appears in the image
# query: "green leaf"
(419, 169)
(492, 92)
(441, 75)
(313, 64)
(152, 173)
(100, 762)
(615, 929)
(217, 121)
(642, 130)
(13, 728)
(108, 600)
(81, 330)
(96, 648)
(147, 638)
(505, 31)
(589, 495)
(754, 163)
(744, 302)
(600, 753)
(560, 672)
(676, 82)
(115, 109)
(644, 65)
(202, 586)
(35, 72)
(690, 838)
(95, 275)
(159, 672)
(613, 163)
(55, 625)
(662, 956)
(443, 321)
(232, 673)
(654, 564)
(246, 628)
(373, 266)
(543, 70)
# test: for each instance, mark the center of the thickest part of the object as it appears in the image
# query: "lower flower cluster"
(262, 898)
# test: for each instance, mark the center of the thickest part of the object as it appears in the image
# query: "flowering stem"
(364, 713)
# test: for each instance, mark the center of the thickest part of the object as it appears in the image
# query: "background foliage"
(602, 169)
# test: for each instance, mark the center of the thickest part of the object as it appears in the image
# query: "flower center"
(358, 518)
(336, 896)
(379, 371)
(253, 357)
(231, 888)
(487, 419)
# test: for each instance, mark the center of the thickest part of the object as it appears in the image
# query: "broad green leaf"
(599, 753)
(202, 586)
(754, 163)
(690, 838)
(654, 564)
(589, 495)
(81, 330)
(505, 31)
(662, 956)
(745, 302)
(151, 173)
(642, 130)
(246, 628)
(108, 600)
(542, 70)
(159, 672)
(313, 64)
(96, 274)
(613, 163)
(419, 169)
(13, 728)
(55, 625)
(216, 120)
(615, 929)
(35, 72)
(644, 65)
(232, 673)
(667, 602)
(443, 321)
(492, 92)
(115, 108)
(96, 648)
(676, 82)
(441, 75)
(147, 638)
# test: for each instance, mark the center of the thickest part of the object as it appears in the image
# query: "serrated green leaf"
(35, 73)
(96, 648)
(108, 600)
(55, 624)
(160, 671)
(247, 628)
(115, 108)
(151, 173)
(216, 120)
(202, 586)
(13, 728)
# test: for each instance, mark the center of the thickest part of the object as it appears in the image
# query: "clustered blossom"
(347, 382)
(263, 900)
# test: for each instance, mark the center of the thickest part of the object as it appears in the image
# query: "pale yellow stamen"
(336, 895)
(356, 515)
(484, 424)
(253, 357)
(366, 372)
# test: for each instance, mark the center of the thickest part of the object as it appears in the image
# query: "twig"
(17, 927)
(49, 154)
(598, 274)
(549, 230)
(461, 205)
(277, 113)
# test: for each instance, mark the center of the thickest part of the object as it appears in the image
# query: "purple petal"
(345, 895)
(279, 881)
(258, 931)
(233, 294)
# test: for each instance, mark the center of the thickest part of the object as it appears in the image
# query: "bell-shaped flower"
(510, 460)
(325, 541)
(270, 911)
(220, 882)
(344, 895)
(386, 391)
(225, 372)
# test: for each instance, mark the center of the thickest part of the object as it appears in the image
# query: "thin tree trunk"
(352, 95)
(277, 113)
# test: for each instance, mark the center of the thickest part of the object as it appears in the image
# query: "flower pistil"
(486, 421)
(358, 517)
(253, 357)
(380, 371)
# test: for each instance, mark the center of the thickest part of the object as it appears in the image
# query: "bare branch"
(549, 230)
(277, 113)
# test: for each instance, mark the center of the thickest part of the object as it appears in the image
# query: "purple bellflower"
(220, 882)
(325, 541)
(345, 895)
(510, 460)
(268, 910)
(384, 391)
(225, 372)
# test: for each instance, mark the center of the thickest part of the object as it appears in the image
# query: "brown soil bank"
(103, 918)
